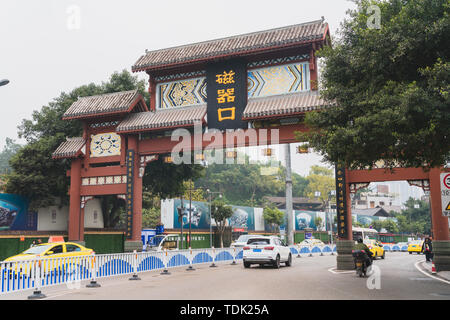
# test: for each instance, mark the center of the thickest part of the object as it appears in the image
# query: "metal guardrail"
(43, 272)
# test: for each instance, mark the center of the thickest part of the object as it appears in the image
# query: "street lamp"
(4, 82)
(210, 215)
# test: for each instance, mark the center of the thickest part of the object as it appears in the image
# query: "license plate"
(256, 250)
(358, 264)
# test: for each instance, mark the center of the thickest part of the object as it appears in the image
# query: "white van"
(162, 241)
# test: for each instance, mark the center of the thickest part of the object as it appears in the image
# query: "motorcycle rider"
(361, 246)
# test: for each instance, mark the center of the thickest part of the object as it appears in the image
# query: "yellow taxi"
(415, 246)
(47, 252)
(375, 247)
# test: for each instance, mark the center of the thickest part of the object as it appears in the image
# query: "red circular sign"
(447, 181)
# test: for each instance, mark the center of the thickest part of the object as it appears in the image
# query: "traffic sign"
(445, 193)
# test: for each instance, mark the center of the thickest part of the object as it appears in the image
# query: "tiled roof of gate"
(284, 104)
(69, 148)
(110, 103)
(152, 120)
(236, 45)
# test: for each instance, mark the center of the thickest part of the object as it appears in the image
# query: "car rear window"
(258, 241)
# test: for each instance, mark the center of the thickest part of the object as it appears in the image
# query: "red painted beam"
(104, 189)
(104, 171)
(286, 134)
(379, 175)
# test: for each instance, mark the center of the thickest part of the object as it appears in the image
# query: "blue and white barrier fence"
(394, 247)
(44, 272)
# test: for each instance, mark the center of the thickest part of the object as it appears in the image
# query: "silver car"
(242, 240)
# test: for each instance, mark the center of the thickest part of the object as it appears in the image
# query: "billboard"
(243, 217)
(14, 214)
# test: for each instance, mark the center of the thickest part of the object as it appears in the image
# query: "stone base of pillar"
(441, 258)
(130, 246)
(344, 257)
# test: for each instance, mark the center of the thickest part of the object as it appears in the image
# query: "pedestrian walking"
(428, 248)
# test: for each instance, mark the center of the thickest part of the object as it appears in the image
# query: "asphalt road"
(308, 278)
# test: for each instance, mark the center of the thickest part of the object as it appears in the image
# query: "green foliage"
(318, 223)
(151, 217)
(243, 184)
(9, 150)
(113, 210)
(274, 217)
(220, 212)
(391, 88)
(192, 193)
(165, 180)
(320, 179)
(415, 220)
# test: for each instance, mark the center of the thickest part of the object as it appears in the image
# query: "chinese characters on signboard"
(129, 198)
(341, 202)
(226, 94)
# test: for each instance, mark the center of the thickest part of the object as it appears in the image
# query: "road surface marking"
(339, 272)
(427, 274)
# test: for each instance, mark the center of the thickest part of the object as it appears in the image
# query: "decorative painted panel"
(181, 93)
(95, 181)
(279, 79)
(265, 81)
(105, 144)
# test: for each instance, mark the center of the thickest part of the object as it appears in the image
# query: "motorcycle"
(360, 258)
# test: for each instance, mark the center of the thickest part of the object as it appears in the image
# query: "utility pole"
(182, 212)
(190, 212)
(289, 210)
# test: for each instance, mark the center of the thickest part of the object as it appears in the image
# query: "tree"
(274, 217)
(220, 212)
(416, 218)
(318, 222)
(320, 179)
(390, 87)
(194, 194)
(151, 217)
(242, 184)
(9, 150)
(390, 226)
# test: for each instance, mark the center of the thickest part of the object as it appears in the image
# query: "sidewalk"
(426, 266)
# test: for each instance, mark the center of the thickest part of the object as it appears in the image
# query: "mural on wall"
(199, 214)
(14, 213)
(243, 217)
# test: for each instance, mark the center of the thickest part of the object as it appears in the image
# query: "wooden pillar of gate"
(74, 228)
(441, 237)
(134, 242)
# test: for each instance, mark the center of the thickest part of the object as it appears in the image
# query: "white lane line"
(339, 272)
(427, 274)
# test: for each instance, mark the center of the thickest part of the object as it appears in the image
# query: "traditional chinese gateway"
(255, 81)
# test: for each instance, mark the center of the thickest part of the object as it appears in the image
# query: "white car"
(242, 240)
(266, 250)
